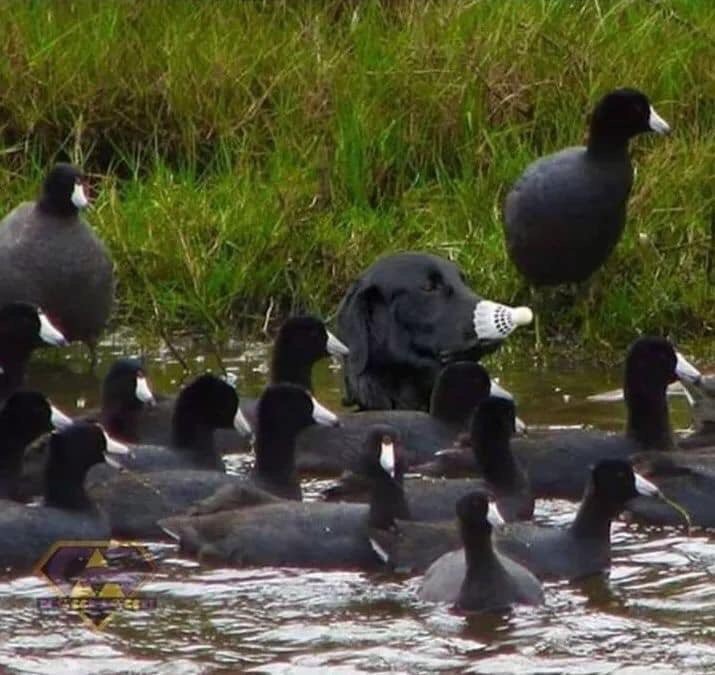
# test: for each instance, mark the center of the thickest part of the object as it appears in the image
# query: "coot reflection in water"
(654, 614)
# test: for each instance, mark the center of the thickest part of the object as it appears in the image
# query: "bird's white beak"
(657, 123)
(59, 420)
(324, 416)
(686, 370)
(49, 333)
(143, 392)
(241, 424)
(79, 197)
(646, 488)
(494, 517)
(335, 347)
(387, 457)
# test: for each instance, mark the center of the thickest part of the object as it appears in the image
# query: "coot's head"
(24, 327)
(622, 114)
(208, 402)
(64, 191)
(652, 364)
(383, 454)
(459, 388)
(307, 338)
(614, 482)
(125, 385)
(477, 515)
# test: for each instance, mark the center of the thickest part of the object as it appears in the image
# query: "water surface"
(655, 613)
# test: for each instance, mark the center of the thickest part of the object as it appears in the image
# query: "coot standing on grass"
(50, 257)
(566, 213)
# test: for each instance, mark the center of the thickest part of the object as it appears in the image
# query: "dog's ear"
(358, 324)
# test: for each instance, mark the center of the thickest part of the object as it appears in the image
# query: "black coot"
(478, 578)
(50, 257)
(566, 213)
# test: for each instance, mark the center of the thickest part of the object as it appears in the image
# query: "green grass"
(250, 154)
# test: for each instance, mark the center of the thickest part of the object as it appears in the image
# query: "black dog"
(403, 319)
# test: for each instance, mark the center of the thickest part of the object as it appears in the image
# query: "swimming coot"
(478, 578)
(67, 513)
(312, 534)
(459, 387)
(135, 501)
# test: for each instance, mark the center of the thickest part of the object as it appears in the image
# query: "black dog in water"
(404, 318)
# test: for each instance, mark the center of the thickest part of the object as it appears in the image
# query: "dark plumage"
(686, 479)
(432, 499)
(558, 462)
(565, 215)
(51, 258)
(23, 328)
(305, 534)
(488, 580)
(458, 389)
(27, 533)
(301, 342)
(583, 548)
(405, 317)
(24, 416)
(135, 502)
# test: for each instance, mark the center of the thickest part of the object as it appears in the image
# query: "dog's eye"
(430, 285)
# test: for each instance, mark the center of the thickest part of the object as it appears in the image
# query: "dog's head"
(403, 319)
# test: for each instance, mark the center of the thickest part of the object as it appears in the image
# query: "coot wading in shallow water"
(50, 257)
(566, 213)
(478, 578)
(404, 318)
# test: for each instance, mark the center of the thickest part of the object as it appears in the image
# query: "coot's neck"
(449, 407)
(197, 440)
(496, 460)
(13, 360)
(290, 367)
(608, 144)
(64, 486)
(648, 422)
(387, 502)
(479, 553)
(53, 207)
(593, 520)
(121, 423)
(275, 451)
(11, 455)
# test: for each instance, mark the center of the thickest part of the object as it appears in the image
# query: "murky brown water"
(655, 614)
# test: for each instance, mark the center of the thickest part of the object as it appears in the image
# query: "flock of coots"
(435, 474)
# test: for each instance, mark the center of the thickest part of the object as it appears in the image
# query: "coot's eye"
(429, 286)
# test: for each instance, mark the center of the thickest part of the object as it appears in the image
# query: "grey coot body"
(565, 215)
(23, 328)
(491, 427)
(135, 502)
(459, 387)
(51, 258)
(301, 534)
(558, 462)
(485, 580)
(583, 548)
(27, 532)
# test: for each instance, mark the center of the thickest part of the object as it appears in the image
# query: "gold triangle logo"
(97, 560)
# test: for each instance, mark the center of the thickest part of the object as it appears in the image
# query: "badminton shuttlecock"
(493, 321)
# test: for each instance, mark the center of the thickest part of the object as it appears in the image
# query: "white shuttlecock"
(493, 321)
